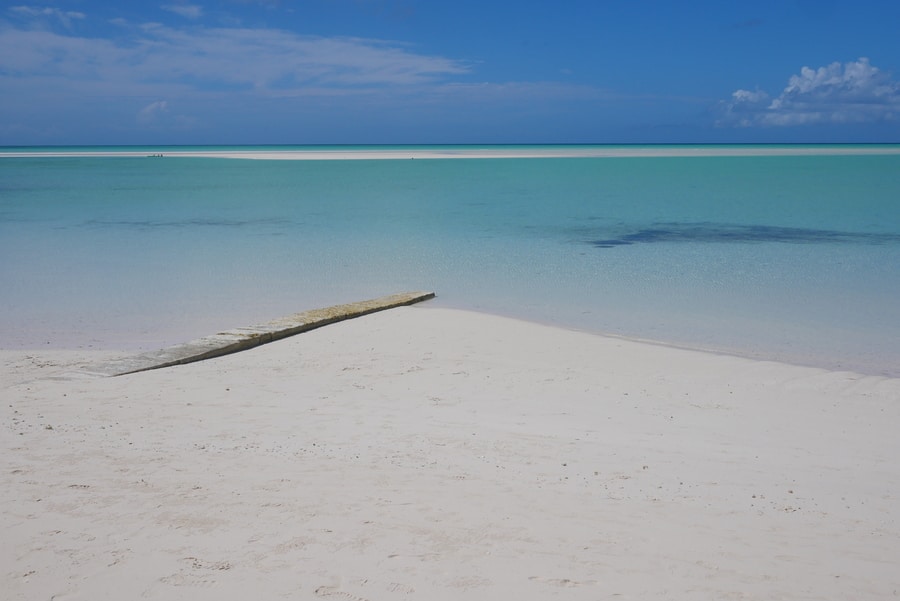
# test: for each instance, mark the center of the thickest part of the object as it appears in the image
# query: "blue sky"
(448, 71)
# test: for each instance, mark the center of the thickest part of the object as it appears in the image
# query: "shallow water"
(793, 258)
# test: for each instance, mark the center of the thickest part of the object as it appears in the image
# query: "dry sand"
(501, 152)
(428, 453)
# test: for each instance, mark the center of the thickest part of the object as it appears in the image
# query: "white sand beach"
(487, 152)
(430, 453)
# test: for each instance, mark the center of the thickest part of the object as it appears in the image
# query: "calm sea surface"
(793, 258)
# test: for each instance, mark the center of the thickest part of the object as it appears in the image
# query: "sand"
(429, 453)
(488, 152)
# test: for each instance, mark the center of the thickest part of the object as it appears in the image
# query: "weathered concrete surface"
(240, 339)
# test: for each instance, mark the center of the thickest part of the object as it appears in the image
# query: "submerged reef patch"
(731, 233)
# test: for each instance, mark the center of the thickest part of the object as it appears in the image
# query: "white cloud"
(158, 115)
(188, 11)
(754, 97)
(266, 62)
(854, 92)
(34, 12)
(153, 77)
(153, 110)
(205, 72)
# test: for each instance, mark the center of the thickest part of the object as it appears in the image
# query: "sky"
(80, 72)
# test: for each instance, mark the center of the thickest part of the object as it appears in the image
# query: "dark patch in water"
(725, 233)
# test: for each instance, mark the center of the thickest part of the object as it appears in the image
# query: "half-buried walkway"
(241, 339)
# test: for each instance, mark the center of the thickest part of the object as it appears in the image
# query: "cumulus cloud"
(854, 92)
(188, 11)
(33, 12)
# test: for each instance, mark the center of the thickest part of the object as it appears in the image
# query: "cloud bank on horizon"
(855, 92)
(385, 71)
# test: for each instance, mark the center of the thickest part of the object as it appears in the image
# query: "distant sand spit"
(481, 153)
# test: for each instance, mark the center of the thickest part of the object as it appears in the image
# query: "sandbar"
(505, 152)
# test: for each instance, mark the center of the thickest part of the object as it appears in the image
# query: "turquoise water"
(793, 258)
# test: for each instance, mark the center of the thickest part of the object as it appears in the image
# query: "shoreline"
(124, 352)
(476, 153)
(437, 453)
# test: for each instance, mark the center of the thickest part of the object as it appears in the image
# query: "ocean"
(790, 257)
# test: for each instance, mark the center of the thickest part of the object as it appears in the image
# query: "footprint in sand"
(330, 591)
